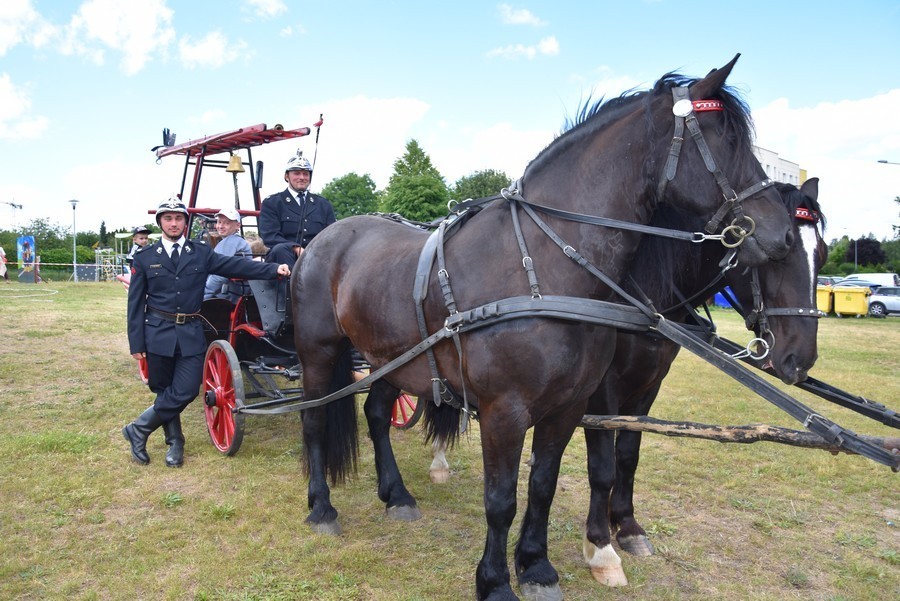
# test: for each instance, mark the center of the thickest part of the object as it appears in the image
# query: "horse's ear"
(712, 82)
(810, 188)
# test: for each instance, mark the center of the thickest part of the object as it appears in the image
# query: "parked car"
(882, 279)
(828, 280)
(873, 286)
(886, 300)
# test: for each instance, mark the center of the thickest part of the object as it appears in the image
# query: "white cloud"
(212, 51)
(20, 23)
(841, 142)
(137, 30)
(16, 122)
(521, 16)
(267, 8)
(546, 47)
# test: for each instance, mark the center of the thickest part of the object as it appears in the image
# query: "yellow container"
(824, 299)
(851, 300)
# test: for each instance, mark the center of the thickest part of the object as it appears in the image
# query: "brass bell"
(235, 165)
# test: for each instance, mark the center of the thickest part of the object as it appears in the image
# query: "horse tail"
(341, 428)
(441, 422)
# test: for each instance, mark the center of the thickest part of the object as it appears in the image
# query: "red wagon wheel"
(404, 415)
(223, 390)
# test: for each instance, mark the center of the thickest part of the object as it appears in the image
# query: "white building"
(779, 169)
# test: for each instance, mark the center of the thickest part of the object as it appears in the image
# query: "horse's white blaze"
(606, 566)
(809, 239)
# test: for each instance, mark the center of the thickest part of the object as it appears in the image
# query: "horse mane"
(662, 265)
(794, 198)
(594, 115)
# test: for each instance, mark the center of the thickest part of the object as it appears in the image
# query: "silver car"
(884, 301)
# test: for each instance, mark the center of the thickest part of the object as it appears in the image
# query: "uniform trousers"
(282, 252)
(175, 380)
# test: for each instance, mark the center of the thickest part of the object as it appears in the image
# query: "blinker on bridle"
(684, 110)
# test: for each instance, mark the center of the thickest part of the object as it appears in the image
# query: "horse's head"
(783, 313)
(707, 166)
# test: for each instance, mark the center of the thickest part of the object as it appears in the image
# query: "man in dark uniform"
(164, 323)
(289, 220)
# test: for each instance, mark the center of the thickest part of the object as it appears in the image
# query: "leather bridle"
(684, 110)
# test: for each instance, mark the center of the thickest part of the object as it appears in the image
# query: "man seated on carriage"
(230, 244)
(290, 219)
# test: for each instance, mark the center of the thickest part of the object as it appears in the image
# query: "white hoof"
(605, 564)
(440, 476)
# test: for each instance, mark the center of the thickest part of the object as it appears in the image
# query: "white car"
(884, 301)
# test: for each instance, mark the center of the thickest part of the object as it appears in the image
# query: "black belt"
(176, 318)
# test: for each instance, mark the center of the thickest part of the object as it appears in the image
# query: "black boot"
(175, 440)
(137, 432)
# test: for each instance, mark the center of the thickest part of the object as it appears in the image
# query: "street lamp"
(74, 202)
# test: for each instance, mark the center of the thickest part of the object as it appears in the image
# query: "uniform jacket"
(157, 284)
(281, 218)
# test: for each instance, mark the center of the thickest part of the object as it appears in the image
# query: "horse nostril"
(789, 239)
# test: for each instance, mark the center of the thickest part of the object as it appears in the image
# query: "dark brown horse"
(353, 286)
(642, 361)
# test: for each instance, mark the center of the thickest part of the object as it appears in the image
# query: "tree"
(351, 194)
(417, 197)
(414, 162)
(896, 227)
(865, 251)
(416, 189)
(103, 235)
(480, 184)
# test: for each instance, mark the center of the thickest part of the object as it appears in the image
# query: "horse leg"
(322, 516)
(537, 577)
(631, 536)
(399, 503)
(604, 562)
(329, 436)
(502, 440)
(439, 472)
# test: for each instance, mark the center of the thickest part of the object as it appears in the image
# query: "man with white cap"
(289, 220)
(228, 223)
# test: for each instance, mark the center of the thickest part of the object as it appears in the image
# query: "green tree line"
(419, 192)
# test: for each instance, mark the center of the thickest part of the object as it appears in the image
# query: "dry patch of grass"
(80, 521)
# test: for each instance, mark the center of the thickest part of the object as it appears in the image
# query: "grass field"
(80, 521)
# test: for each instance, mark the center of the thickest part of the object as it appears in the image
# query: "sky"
(87, 87)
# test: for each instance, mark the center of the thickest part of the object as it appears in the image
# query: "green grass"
(79, 520)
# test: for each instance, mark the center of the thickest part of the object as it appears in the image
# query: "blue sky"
(86, 88)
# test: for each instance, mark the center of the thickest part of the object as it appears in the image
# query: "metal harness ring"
(738, 231)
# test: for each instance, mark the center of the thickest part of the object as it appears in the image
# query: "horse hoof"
(610, 576)
(441, 476)
(404, 513)
(637, 545)
(606, 566)
(538, 592)
(333, 528)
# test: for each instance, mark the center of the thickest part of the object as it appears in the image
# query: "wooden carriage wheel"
(223, 391)
(404, 415)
